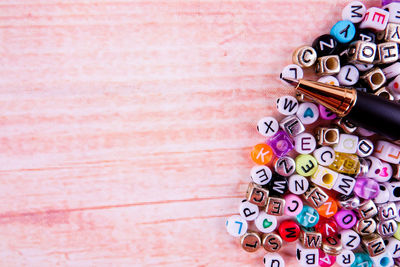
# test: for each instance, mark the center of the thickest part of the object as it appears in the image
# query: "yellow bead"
(306, 165)
(397, 234)
(345, 163)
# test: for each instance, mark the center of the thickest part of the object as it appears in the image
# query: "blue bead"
(308, 217)
(362, 259)
(344, 31)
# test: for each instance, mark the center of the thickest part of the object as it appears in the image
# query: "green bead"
(306, 165)
(397, 234)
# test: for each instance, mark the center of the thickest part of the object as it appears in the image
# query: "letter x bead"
(267, 126)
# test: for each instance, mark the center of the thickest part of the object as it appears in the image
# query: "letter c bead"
(293, 205)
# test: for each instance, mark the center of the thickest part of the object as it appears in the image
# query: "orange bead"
(262, 154)
(328, 209)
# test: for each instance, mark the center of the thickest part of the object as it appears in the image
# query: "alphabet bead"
(331, 245)
(374, 167)
(236, 225)
(344, 184)
(345, 163)
(345, 258)
(344, 31)
(392, 70)
(292, 125)
(278, 185)
(374, 78)
(304, 56)
(365, 35)
(397, 233)
(327, 65)
(275, 206)
(289, 230)
(396, 171)
(387, 53)
(271, 242)
(383, 194)
(324, 155)
(280, 144)
(387, 211)
(262, 154)
(394, 12)
(250, 241)
(315, 196)
(257, 195)
(308, 217)
(325, 113)
(394, 191)
(287, 105)
(383, 260)
(375, 18)
(265, 223)
(324, 177)
(327, 227)
(267, 126)
(285, 166)
(365, 227)
(306, 165)
(273, 260)
(367, 209)
(350, 239)
(293, 205)
(327, 136)
(347, 144)
(307, 256)
(308, 113)
(261, 175)
(328, 80)
(373, 244)
(365, 148)
(393, 247)
(387, 151)
(362, 259)
(387, 228)
(310, 239)
(361, 52)
(345, 219)
(328, 209)
(354, 12)
(292, 71)
(350, 201)
(248, 211)
(347, 126)
(304, 143)
(325, 45)
(298, 184)
(348, 75)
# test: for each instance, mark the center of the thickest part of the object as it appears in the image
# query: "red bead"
(289, 230)
(327, 227)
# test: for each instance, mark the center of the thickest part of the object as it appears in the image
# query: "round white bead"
(364, 67)
(383, 194)
(292, 71)
(236, 225)
(345, 258)
(350, 239)
(354, 12)
(393, 247)
(385, 173)
(324, 155)
(308, 113)
(329, 80)
(265, 223)
(375, 167)
(304, 143)
(298, 184)
(248, 211)
(261, 174)
(267, 126)
(348, 75)
(273, 260)
(287, 105)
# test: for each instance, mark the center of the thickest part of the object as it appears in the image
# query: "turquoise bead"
(308, 217)
(344, 31)
(362, 259)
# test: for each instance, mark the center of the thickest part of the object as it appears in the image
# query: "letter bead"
(347, 144)
(326, 113)
(324, 177)
(328, 80)
(394, 191)
(304, 56)
(374, 167)
(324, 155)
(387, 53)
(271, 242)
(289, 230)
(327, 227)
(345, 219)
(364, 67)
(325, 45)
(285, 166)
(365, 227)
(348, 75)
(261, 175)
(375, 18)
(392, 70)
(310, 239)
(331, 245)
(361, 52)
(327, 65)
(292, 125)
(365, 148)
(265, 223)
(374, 78)
(383, 194)
(373, 244)
(383, 260)
(327, 136)
(315, 196)
(350, 239)
(287, 105)
(257, 195)
(344, 31)
(362, 260)
(275, 206)
(328, 209)
(262, 154)
(304, 143)
(326, 260)
(365, 35)
(298, 184)
(349, 202)
(308, 217)
(293, 205)
(292, 71)
(281, 143)
(250, 241)
(387, 151)
(267, 126)
(393, 247)
(278, 186)
(354, 12)
(387, 228)
(385, 173)
(345, 258)
(387, 211)
(307, 256)
(306, 165)
(344, 184)
(394, 12)
(248, 211)
(345, 163)
(308, 113)
(236, 225)
(367, 209)
(273, 260)
(346, 125)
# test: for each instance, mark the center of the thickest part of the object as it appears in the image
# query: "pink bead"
(326, 113)
(366, 188)
(345, 218)
(293, 205)
(326, 260)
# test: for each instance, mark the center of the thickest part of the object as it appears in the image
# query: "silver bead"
(364, 167)
(396, 171)
(345, 125)
(292, 125)
(391, 33)
(374, 78)
(365, 227)
(373, 244)
(310, 239)
(327, 136)
(387, 53)
(328, 65)
(331, 245)
(361, 52)
(275, 206)
(349, 202)
(257, 195)
(304, 56)
(387, 211)
(387, 228)
(315, 196)
(367, 209)
(285, 166)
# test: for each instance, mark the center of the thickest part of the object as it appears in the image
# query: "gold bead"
(304, 56)
(250, 241)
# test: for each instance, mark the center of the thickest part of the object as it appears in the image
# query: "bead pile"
(319, 180)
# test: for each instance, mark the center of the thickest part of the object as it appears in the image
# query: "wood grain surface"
(126, 126)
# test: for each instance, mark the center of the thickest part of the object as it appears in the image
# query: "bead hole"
(331, 135)
(376, 78)
(327, 178)
(331, 63)
(384, 95)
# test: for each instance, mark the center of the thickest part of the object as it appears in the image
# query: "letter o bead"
(308, 217)
(273, 260)
(346, 218)
(289, 230)
(306, 165)
(293, 205)
(236, 225)
(262, 154)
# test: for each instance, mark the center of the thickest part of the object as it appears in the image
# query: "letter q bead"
(236, 225)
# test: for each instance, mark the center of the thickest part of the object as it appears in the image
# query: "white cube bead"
(304, 143)
(298, 184)
(344, 184)
(392, 70)
(292, 71)
(329, 80)
(273, 260)
(347, 144)
(345, 258)
(350, 239)
(324, 177)
(394, 87)
(375, 18)
(382, 260)
(236, 225)
(287, 105)
(308, 113)
(265, 223)
(307, 256)
(393, 247)
(324, 155)
(394, 12)
(365, 148)
(383, 194)
(387, 151)
(354, 11)
(385, 173)
(374, 167)
(394, 191)
(267, 126)
(261, 174)
(248, 211)
(348, 75)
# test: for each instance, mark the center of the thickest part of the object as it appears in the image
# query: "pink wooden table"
(126, 126)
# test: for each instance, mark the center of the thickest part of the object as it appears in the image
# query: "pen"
(371, 112)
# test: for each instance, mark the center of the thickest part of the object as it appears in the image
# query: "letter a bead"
(289, 230)
(326, 260)
(308, 217)
(306, 165)
(236, 225)
(262, 154)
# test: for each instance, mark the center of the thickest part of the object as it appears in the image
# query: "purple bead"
(345, 218)
(386, 2)
(281, 143)
(326, 113)
(366, 188)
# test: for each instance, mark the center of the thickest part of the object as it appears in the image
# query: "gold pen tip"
(290, 81)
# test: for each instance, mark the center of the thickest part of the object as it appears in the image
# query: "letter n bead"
(373, 244)
(262, 154)
(350, 239)
(328, 209)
